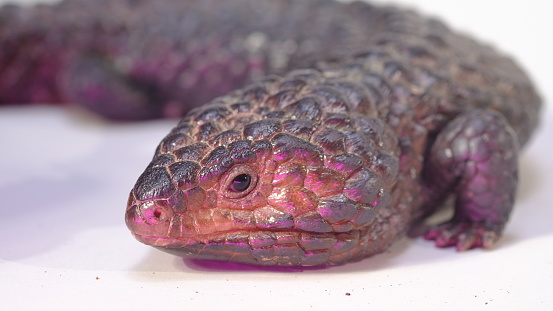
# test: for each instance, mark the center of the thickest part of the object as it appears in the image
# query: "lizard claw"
(464, 235)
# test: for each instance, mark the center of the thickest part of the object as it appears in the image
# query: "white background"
(64, 180)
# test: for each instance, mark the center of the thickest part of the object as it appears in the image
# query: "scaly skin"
(315, 166)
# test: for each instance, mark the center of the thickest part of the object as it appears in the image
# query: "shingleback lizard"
(329, 130)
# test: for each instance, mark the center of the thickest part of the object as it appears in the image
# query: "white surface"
(64, 182)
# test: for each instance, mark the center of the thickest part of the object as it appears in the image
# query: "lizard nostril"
(154, 212)
(158, 213)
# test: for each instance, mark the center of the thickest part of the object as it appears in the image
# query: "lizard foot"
(464, 235)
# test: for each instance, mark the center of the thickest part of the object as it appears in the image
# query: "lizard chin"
(264, 247)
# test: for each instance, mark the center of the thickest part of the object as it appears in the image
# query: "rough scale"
(337, 127)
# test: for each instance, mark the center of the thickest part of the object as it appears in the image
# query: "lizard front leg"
(475, 158)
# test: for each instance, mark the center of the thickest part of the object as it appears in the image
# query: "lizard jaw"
(263, 247)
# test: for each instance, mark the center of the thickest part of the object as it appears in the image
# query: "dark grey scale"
(311, 242)
(281, 99)
(184, 173)
(277, 114)
(312, 222)
(300, 128)
(387, 165)
(287, 147)
(261, 147)
(361, 100)
(194, 152)
(337, 121)
(238, 243)
(241, 107)
(346, 163)
(295, 84)
(372, 127)
(183, 127)
(307, 108)
(206, 131)
(155, 183)
(240, 151)
(262, 239)
(214, 113)
(359, 143)
(332, 101)
(366, 213)
(173, 142)
(225, 138)
(215, 156)
(337, 209)
(256, 94)
(363, 186)
(332, 141)
(345, 242)
(262, 129)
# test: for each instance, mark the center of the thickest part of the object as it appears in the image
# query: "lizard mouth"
(263, 247)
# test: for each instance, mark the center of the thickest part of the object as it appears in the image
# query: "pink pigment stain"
(280, 156)
(337, 166)
(353, 194)
(302, 154)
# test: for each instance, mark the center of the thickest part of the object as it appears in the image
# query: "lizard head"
(264, 176)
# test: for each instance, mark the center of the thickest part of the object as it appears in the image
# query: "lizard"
(312, 132)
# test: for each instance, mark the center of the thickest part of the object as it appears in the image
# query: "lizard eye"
(239, 181)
